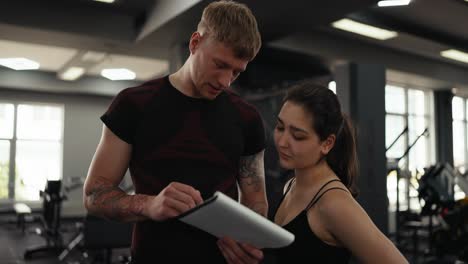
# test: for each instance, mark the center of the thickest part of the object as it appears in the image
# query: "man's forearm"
(112, 203)
(260, 207)
(252, 183)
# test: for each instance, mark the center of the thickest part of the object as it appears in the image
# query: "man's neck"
(181, 81)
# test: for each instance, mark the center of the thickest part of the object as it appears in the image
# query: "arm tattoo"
(252, 183)
(100, 194)
(252, 172)
(113, 203)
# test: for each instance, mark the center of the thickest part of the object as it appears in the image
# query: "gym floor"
(13, 243)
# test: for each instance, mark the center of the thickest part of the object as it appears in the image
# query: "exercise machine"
(436, 189)
(52, 198)
(96, 240)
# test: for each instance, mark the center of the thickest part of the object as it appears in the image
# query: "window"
(407, 125)
(6, 135)
(460, 133)
(30, 148)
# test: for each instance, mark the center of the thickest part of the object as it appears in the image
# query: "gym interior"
(399, 68)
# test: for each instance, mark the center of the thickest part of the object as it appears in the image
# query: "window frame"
(464, 121)
(429, 119)
(13, 146)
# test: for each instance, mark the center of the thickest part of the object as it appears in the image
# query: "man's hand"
(241, 253)
(172, 201)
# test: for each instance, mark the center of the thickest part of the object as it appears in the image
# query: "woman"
(315, 139)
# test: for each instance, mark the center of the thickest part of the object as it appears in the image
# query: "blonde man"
(183, 137)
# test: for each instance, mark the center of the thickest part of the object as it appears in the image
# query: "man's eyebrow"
(225, 64)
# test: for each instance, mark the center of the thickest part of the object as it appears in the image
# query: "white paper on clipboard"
(222, 216)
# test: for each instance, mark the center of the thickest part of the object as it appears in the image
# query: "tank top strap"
(315, 199)
(284, 194)
(289, 185)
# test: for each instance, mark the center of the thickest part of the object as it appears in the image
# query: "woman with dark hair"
(316, 140)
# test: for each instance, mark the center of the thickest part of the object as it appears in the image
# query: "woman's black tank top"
(307, 247)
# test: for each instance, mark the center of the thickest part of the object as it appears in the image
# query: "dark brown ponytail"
(343, 157)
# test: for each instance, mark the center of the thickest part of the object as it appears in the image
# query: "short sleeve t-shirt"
(189, 140)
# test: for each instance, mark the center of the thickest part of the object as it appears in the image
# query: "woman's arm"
(345, 219)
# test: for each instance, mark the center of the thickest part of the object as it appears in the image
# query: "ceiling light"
(386, 3)
(72, 73)
(455, 55)
(19, 64)
(118, 74)
(363, 29)
(106, 1)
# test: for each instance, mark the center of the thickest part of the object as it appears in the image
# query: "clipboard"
(222, 216)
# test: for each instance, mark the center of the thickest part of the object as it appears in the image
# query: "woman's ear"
(327, 145)
(195, 40)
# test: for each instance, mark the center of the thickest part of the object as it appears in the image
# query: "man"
(183, 137)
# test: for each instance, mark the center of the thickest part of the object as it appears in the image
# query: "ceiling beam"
(324, 44)
(72, 17)
(163, 12)
(424, 32)
(275, 19)
(48, 82)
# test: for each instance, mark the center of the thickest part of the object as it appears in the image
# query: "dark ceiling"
(150, 29)
(96, 25)
(442, 22)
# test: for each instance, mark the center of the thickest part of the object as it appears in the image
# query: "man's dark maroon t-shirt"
(183, 139)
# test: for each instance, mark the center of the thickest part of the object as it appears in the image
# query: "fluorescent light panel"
(394, 3)
(118, 74)
(72, 73)
(455, 55)
(363, 29)
(106, 1)
(19, 64)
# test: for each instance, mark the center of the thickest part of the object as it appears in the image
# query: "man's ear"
(195, 40)
(327, 145)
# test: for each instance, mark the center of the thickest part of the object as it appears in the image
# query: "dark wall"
(263, 84)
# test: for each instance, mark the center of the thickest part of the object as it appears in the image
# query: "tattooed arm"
(252, 195)
(103, 197)
(252, 183)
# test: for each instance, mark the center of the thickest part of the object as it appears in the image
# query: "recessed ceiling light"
(19, 64)
(106, 1)
(72, 73)
(363, 29)
(386, 3)
(455, 55)
(118, 74)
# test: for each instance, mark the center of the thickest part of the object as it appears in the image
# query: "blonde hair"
(233, 24)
